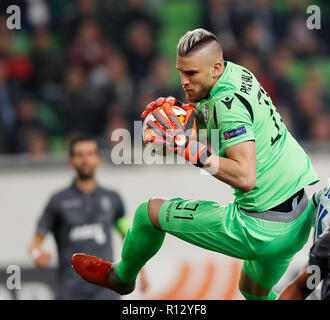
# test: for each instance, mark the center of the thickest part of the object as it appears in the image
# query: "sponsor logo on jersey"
(88, 231)
(206, 112)
(227, 101)
(234, 133)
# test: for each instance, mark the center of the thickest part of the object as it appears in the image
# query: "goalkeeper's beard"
(203, 94)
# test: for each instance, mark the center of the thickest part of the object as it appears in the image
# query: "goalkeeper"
(271, 216)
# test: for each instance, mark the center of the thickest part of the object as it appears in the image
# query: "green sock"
(142, 242)
(272, 296)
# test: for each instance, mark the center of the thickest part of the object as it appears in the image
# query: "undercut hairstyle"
(79, 138)
(194, 40)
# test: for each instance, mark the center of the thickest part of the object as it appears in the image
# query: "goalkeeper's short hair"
(194, 40)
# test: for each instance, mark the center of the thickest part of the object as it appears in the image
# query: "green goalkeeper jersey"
(239, 109)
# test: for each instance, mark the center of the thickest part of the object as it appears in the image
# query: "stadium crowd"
(92, 66)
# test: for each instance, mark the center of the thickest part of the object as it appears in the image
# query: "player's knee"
(153, 211)
(142, 218)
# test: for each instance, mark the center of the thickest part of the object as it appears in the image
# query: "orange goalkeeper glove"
(179, 138)
(168, 100)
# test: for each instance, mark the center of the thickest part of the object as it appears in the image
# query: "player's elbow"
(247, 183)
(246, 187)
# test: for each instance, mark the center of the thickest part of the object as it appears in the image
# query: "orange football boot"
(101, 273)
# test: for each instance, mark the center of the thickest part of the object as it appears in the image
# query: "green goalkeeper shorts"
(266, 246)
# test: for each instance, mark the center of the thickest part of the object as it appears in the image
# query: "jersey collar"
(75, 188)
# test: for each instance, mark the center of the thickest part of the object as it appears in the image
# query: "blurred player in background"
(80, 217)
(271, 217)
(319, 255)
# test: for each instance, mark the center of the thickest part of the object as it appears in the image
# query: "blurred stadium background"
(91, 66)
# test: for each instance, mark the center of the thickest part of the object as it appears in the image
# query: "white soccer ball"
(147, 132)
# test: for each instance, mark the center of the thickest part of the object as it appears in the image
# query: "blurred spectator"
(27, 123)
(48, 62)
(262, 17)
(255, 39)
(114, 75)
(121, 80)
(159, 79)
(89, 49)
(140, 49)
(220, 21)
(5, 39)
(135, 13)
(309, 107)
(9, 93)
(79, 11)
(115, 120)
(320, 129)
(302, 41)
(18, 62)
(83, 105)
(36, 144)
(279, 62)
(20, 68)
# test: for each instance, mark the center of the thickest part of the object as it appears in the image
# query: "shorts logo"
(168, 213)
(206, 112)
(234, 133)
(167, 218)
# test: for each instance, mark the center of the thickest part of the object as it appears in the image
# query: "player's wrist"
(202, 159)
(197, 153)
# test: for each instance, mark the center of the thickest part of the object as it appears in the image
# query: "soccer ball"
(147, 132)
